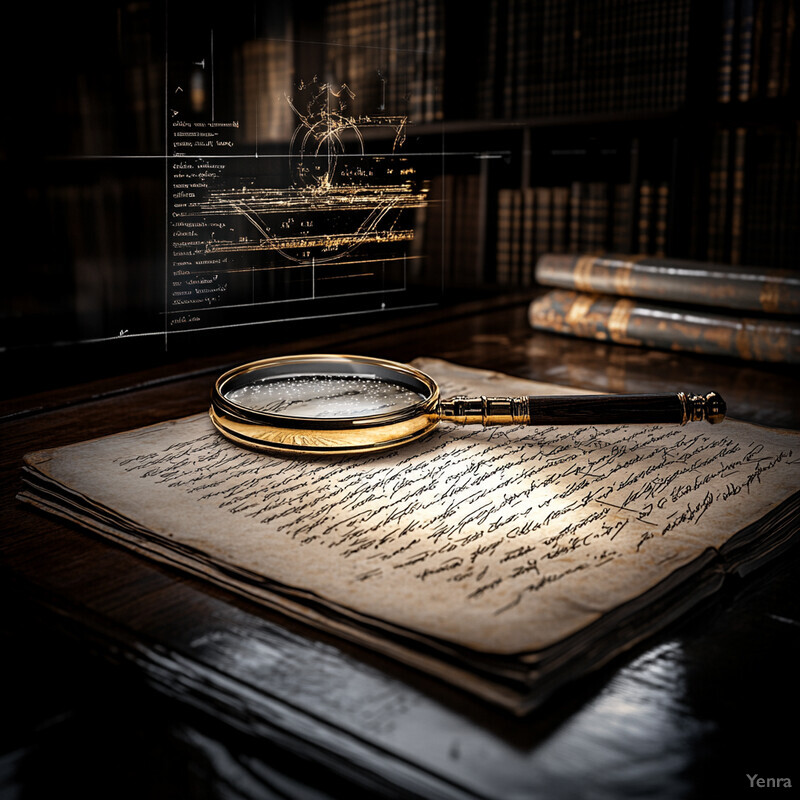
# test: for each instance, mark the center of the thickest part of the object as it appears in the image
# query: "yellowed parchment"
(504, 540)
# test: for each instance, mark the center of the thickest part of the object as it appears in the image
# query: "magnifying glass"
(331, 404)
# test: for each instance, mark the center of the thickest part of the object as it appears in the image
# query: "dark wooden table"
(123, 678)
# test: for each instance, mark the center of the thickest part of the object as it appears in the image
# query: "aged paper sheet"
(503, 540)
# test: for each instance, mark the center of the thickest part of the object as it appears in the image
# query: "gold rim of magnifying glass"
(271, 432)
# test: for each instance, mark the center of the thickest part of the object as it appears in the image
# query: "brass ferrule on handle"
(696, 408)
(486, 410)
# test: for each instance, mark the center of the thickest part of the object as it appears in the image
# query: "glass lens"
(337, 388)
(324, 396)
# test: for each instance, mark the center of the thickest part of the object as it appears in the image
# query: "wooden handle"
(669, 407)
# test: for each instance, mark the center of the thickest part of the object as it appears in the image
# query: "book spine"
(503, 249)
(621, 218)
(653, 31)
(661, 218)
(725, 91)
(590, 42)
(778, 208)
(597, 216)
(566, 44)
(763, 214)
(718, 196)
(417, 104)
(576, 88)
(658, 78)
(455, 261)
(680, 89)
(641, 16)
(738, 221)
(487, 83)
(449, 203)
(543, 224)
(525, 84)
(471, 232)
(436, 58)
(674, 280)
(745, 44)
(777, 28)
(531, 213)
(625, 321)
(757, 49)
(611, 45)
(393, 45)
(575, 212)
(645, 216)
(789, 45)
(516, 237)
(510, 77)
(560, 212)
(548, 66)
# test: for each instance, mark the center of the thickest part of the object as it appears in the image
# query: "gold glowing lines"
(257, 205)
(311, 242)
(351, 275)
(327, 126)
(279, 267)
(267, 201)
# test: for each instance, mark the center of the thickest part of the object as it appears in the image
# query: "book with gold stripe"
(630, 321)
(757, 289)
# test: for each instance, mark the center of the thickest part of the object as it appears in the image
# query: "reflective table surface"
(124, 678)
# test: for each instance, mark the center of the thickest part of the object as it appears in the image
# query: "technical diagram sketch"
(328, 219)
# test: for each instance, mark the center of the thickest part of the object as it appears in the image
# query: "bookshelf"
(666, 127)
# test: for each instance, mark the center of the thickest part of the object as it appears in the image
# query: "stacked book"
(671, 304)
